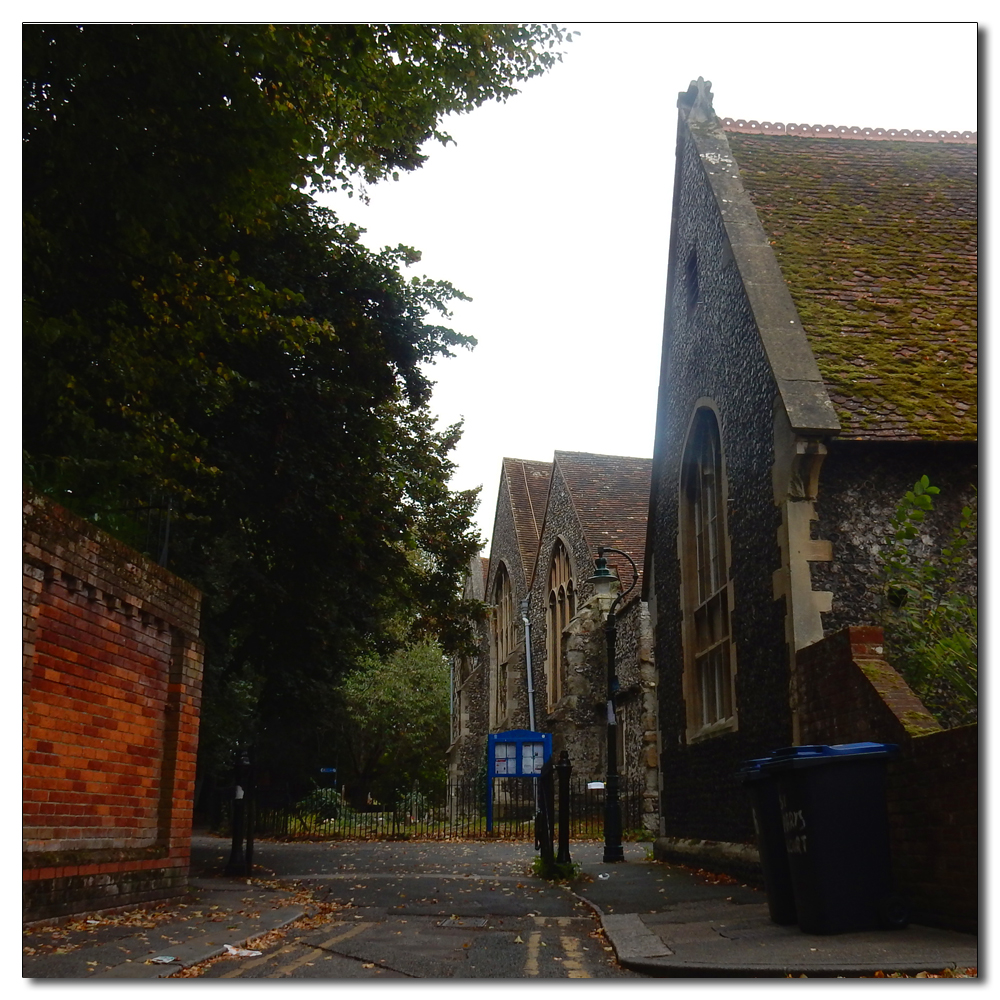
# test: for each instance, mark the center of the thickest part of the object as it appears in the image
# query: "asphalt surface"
(344, 910)
(374, 910)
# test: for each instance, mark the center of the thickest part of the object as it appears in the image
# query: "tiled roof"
(528, 485)
(611, 496)
(877, 241)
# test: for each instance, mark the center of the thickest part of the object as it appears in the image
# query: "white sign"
(532, 758)
(506, 758)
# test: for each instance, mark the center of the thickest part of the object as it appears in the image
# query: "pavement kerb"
(665, 968)
(632, 941)
(640, 949)
(200, 949)
(204, 946)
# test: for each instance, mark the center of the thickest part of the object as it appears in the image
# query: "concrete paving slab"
(632, 938)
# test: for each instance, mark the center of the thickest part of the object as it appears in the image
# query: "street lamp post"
(602, 579)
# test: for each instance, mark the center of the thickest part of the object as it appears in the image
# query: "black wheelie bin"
(763, 789)
(836, 829)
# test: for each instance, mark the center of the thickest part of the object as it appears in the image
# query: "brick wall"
(111, 683)
(933, 792)
(847, 694)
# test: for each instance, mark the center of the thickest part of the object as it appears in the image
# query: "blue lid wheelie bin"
(763, 789)
(836, 830)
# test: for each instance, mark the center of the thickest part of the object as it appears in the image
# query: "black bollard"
(250, 809)
(564, 767)
(545, 820)
(237, 860)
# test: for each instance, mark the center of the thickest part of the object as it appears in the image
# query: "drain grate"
(463, 922)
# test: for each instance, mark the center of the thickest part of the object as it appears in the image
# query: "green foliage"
(638, 836)
(234, 699)
(323, 803)
(555, 871)
(394, 724)
(415, 806)
(198, 331)
(931, 623)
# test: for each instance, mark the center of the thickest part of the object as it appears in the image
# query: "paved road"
(405, 910)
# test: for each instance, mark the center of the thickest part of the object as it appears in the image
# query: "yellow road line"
(531, 964)
(293, 946)
(253, 963)
(574, 960)
(287, 970)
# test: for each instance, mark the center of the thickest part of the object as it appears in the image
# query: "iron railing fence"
(458, 812)
(147, 524)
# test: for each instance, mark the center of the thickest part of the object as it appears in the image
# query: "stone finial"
(698, 100)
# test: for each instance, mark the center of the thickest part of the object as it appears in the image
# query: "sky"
(552, 211)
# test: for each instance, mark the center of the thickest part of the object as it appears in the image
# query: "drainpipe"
(451, 699)
(527, 662)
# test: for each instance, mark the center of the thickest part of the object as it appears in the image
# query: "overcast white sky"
(553, 211)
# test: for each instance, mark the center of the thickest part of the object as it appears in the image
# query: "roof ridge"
(598, 454)
(846, 132)
(531, 506)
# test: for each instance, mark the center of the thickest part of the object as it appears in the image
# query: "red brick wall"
(933, 793)
(846, 693)
(111, 684)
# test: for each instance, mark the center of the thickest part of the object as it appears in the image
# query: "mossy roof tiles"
(877, 241)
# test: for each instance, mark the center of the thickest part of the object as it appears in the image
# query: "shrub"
(323, 803)
(931, 623)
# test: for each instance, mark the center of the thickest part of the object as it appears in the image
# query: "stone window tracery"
(503, 641)
(560, 611)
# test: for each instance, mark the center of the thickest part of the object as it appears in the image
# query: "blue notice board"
(516, 753)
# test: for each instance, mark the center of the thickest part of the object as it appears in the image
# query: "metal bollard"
(564, 767)
(237, 860)
(544, 819)
(250, 816)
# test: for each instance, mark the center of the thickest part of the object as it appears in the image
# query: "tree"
(394, 723)
(153, 154)
(197, 328)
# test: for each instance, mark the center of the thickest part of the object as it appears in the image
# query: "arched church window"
(503, 641)
(706, 587)
(560, 611)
